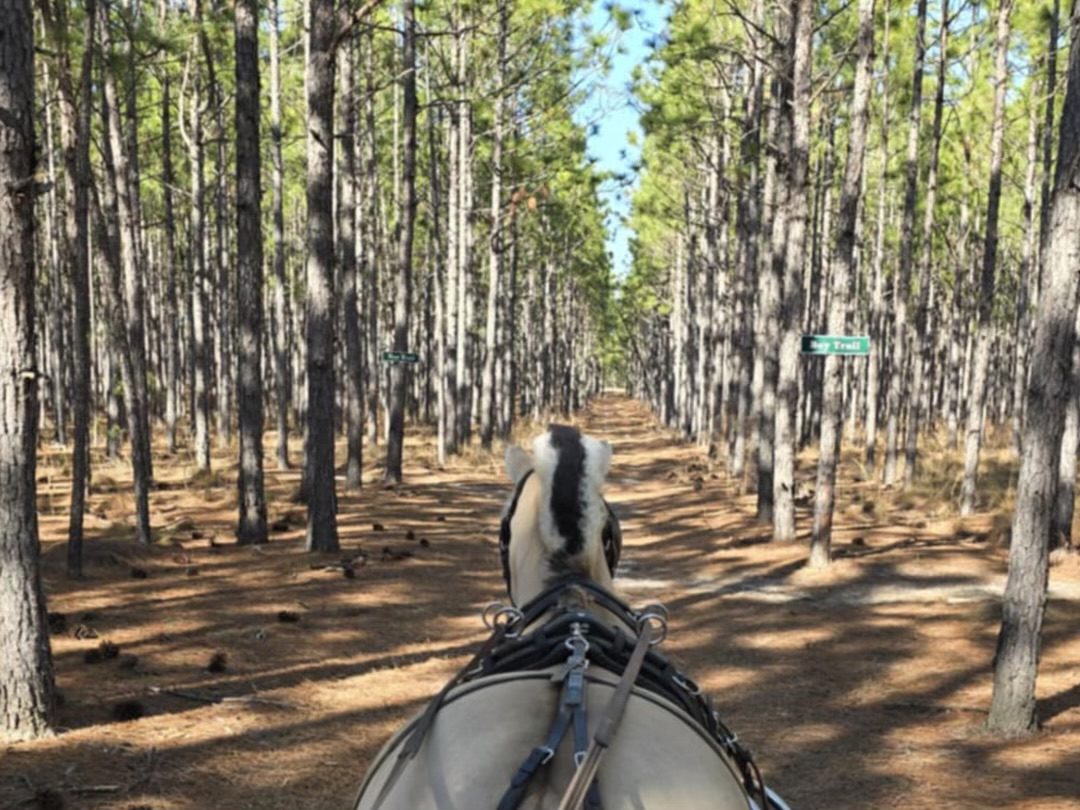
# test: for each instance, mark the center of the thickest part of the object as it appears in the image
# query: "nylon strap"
(609, 723)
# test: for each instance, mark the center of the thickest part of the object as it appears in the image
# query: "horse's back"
(660, 759)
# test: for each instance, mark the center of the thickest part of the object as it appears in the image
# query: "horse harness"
(570, 640)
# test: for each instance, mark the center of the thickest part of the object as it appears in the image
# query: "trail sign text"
(836, 344)
(400, 357)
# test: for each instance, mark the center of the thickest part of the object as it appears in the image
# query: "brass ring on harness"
(496, 615)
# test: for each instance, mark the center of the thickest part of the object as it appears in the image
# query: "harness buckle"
(686, 683)
(579, 758)
(548, 754)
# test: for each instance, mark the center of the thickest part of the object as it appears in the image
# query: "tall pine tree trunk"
(1013, 707)
(75, 111)
(120, 211)
(26, 679)
(843, 261)
(403, 290)
(354, 391)
(922, 337)
(1065, 501)
(322, 534)
(984, 334)
(877, 301)
(171, 323)
(798, 182)
(495, 241)
(283, 377)
(197, 241)
(251, 527)
(900, 339)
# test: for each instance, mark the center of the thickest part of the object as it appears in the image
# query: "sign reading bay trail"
(400, 357)
(836, 344)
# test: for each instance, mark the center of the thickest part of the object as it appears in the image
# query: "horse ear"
(518, 463)
(603, 460)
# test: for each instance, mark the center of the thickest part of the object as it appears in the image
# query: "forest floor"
(865, 686)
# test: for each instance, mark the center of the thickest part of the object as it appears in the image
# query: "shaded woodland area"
(223, 226)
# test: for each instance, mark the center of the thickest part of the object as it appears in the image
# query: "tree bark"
(403, 291)
(843, 261)
(1065, 501)
(495, 246)
(128, 308)
(798, 181)
(907, 251)
(171, 316)
(197, 241)
(26, 677)
(251, 527)
(75, 111)
(920, 359)
(1013, 707)
(984, 335)
(283, 377)
(322, 534)
(876, 328)
(354, 389)
(770, 282)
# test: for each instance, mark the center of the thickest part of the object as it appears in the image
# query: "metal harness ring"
(658, 615)
(496, 615)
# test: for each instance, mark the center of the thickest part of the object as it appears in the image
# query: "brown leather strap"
(609, 723)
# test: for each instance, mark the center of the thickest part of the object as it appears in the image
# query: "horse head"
(557, 523)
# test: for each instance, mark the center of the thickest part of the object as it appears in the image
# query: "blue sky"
(610, 114)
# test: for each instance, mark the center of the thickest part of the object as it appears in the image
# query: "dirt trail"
(864, 687)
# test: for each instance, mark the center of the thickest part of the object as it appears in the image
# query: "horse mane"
(571, 469)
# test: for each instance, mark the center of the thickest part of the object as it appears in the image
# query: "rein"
(576, 638)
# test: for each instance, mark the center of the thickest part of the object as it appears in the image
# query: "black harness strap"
(572, 713)
(504, 529)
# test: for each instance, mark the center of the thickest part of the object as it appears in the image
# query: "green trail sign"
(836, 344)
(393, 358)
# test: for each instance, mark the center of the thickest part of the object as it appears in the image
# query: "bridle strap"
(578, 789)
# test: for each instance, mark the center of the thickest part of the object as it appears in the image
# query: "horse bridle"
(610, 537)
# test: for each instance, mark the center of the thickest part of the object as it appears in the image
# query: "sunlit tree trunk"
(26, 677)
(282, 336)
(403, 292)
(347, 250)
(984, 334)
(902, 286)
(922, 339)
(843, 261)
(877, 301)
(119, 210)
(197, 246)
(1013, 707)
(798, 182)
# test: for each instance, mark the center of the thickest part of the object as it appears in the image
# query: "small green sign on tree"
(849, 345)
(396, 358)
